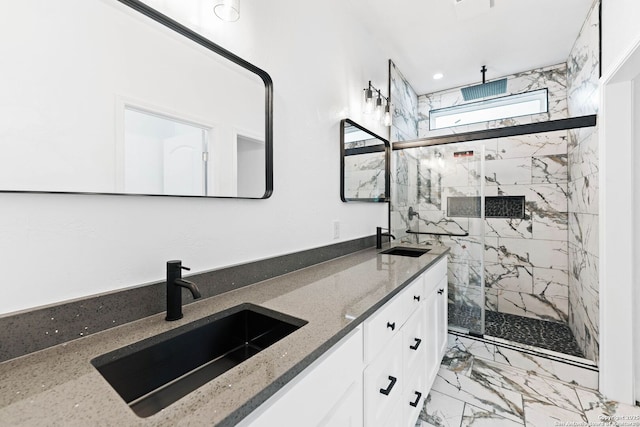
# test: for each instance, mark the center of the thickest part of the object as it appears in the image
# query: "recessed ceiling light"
(438, 76)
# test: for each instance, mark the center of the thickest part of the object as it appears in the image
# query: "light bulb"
(379, 107)
(386, 120)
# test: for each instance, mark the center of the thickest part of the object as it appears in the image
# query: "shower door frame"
(525, 129)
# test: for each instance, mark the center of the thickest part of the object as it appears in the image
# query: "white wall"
(58, 97)
(620, 324)
(636, 315)
(619, 29)
(58, 247)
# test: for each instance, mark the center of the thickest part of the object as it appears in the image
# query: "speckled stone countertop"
(59, 386)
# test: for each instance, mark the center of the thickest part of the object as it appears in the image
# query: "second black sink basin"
(152, 374)
(402, 251)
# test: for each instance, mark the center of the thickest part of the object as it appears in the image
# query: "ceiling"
(456, 37)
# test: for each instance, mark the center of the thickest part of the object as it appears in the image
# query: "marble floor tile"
(564, 372)
(476, 417)
(476, 348)
(541, 415)
(501, 401)
(440, 410)
(533, 388)
(598, 408)
(471, 391)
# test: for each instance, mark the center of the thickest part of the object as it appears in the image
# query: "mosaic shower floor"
(471, 391)
(524, 330)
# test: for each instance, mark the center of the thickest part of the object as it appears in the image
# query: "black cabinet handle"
(387, 390)
(415, 402)
(416, 345)
(440, 291)
(416, 297)
(392, 326)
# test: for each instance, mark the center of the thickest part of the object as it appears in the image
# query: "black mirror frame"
(268, 84)
(208, 44)
(373, 149)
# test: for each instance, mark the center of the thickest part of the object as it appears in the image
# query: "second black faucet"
(379, 235)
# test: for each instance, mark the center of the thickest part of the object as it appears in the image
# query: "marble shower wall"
(544, 265)
(404, 127)
(582, 79)
(364, 176)
(553, 78)
(404, 102)
(525, 259)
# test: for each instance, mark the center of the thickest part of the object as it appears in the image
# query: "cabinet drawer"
(413, 399)
(414, 340)
(383, 383)
(317, 391)
(432, 348)
(381, 327)
(413, 296)
(434, 274)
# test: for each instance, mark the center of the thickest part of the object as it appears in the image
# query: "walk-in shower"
(498, 199)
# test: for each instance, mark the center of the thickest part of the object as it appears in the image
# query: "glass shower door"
(445, 205)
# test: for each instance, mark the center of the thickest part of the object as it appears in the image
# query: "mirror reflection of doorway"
(163, 155)
(250, 170)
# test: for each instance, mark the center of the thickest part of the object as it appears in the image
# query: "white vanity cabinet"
(404, 342)
(379, 374)
(436, 324)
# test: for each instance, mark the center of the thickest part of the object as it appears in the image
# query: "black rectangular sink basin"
(412, 252)
(152, 374)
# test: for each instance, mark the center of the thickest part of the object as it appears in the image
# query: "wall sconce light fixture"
(377, 104)
(227, 10)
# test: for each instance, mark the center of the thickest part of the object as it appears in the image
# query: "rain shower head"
(484, 90)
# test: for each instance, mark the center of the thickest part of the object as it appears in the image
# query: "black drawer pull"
(416, 345)
(415, 402)
(416, 297)
(392, 326)
(387, 390)
(440, 291)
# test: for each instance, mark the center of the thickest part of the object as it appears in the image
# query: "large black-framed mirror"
(365, 164)
(113, 97)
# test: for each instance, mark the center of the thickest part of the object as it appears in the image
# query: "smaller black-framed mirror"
(364, 164)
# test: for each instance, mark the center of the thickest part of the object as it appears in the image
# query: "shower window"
(493, 109)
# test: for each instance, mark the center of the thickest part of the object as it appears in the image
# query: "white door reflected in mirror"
(62, 110)
(163, 155)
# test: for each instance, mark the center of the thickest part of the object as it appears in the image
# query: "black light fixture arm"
(372, 89)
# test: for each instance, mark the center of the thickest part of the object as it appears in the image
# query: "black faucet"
(379, 235)
(175, 283)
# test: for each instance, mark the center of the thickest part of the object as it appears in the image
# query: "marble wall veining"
(526, 258)
(404, 102)
(554, 78)
(583, 72)
(542, 265)
(364, 176)
(404, 127)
